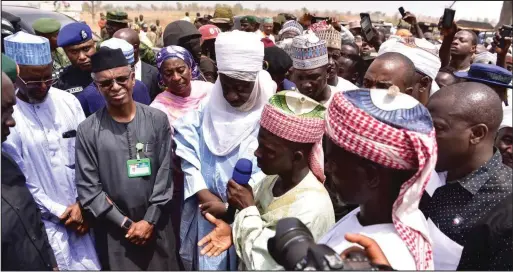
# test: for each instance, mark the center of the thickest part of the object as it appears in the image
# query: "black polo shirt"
(456, 207)
(489, 245)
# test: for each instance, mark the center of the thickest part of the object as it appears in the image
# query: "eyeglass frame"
(111, 84)
(39, 82)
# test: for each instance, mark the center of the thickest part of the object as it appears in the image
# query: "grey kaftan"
(102, 150)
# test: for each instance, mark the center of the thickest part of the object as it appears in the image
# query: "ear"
(298, 156)
(473, 49)
(478, 133)
(425, 84)
(371, 176)
(409, 91)
(355, 76)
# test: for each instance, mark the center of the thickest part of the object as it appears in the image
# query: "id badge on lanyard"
(138, 167)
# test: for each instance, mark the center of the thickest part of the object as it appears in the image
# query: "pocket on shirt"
(149, 150)
(69, 152)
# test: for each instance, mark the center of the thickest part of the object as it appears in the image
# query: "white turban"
(421, 52)
(239, 54)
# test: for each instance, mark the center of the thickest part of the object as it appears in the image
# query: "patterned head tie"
(309, 52)
(331, 36)
(300, 119)
(394, 130)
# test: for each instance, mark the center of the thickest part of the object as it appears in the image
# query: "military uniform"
(72, 79)
(60, 62)
(49, 26)
(146, 54)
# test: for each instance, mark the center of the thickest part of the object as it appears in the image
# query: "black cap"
(107, 58)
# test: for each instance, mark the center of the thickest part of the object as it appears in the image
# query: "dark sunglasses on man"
(108, 83)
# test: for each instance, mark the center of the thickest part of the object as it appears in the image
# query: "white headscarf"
(421, 52)
(240, 55)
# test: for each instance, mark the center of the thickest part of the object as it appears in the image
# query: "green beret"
(117, 16)
(9, 67)
(250, 19)
(46, 25)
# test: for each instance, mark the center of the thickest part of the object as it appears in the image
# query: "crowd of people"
(115, 157)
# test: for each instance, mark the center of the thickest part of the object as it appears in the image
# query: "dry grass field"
(168, 16)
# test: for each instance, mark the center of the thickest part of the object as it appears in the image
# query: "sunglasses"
(121, 80)
(37, 84)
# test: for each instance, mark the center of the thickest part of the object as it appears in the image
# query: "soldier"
(49, 28)
(117, 20)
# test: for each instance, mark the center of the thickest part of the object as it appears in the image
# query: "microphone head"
(242, 171)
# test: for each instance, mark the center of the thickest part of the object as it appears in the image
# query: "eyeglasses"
(121, 80)
(37, 84)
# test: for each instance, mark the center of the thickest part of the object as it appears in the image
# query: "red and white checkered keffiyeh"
(358, 132)
(319, 26)
(299, 130)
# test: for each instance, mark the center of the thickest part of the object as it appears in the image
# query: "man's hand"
(447, 32)
(239, 196)
(72, 214)
(501, 49)
(410, 18)
(73, 219)
(371, 248)
(218, 240)
(215, 208)
(140, 233)
(83, 228)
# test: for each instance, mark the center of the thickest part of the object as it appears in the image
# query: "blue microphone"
(241, 175)
(242, 171)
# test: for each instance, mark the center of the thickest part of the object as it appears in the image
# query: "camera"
(294, 248)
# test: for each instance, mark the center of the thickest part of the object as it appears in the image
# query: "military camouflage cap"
(117, 16)
(222, 15)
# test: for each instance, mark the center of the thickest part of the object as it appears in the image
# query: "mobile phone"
(506, 31)
(448, 18)
(366, 25)
(403, 13)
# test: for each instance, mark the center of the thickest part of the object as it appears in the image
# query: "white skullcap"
(116, 43)
(239, 54)
(486, 58)
(421, 52)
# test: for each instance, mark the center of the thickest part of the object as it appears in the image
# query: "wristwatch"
(127, 223)
(226, 206)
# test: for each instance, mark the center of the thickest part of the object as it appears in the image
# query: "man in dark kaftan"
(123, 173)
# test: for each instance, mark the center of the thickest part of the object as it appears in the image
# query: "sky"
(464, 9)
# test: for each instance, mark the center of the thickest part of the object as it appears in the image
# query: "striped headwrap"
(300, 119)
(396, 131)
(292, 26)
(174, 51)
